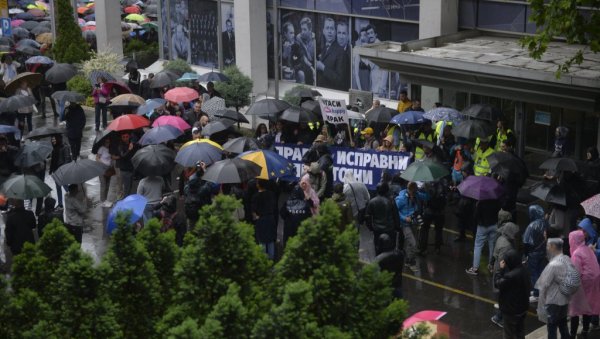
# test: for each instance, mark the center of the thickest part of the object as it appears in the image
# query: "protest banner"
(334, 111)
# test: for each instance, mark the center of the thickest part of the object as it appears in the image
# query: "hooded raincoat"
(592, 236)
(586, 301)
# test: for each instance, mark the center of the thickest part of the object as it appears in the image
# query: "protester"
(8, 68)
(357, 194)
(75, 119)
(485, 216)
(25, 113)
(317, 179)
(381, 216)
(101, 96)
(49, 213)
(481, 165)
(197, 193)
(170, 219)
(344, 206)
(134, 79)
(591, 235)
(409, 203)
(433, 213)
(264, 212)
(296, 209)
(151, 188)
(103, 155)
(20, 224)
(75, 212)
(310, 193)
(513, 283)
(370, 140)
(125, 150)
(534, 244)
(61, 154)
(391, 259)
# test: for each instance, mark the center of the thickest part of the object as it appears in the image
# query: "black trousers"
(75, 147)
(514, 326)
(76, 231)
(438, 220)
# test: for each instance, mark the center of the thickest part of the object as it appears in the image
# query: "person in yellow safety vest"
(482, 166)
(502, 134)
(404, 102)
(425, 133)
(439, 129)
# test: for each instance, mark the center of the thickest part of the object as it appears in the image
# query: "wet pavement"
(441, 284)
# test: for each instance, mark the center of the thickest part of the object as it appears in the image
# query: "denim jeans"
(100, 108)
(484, 233)
(269, 249)
(535, 264)
(59, 196)
(127, 182)
(22, 117)
(557, 319)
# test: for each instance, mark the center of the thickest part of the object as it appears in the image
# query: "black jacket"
(61, 154)
(514, 285)
(486, 212)
(382, 215)
(19, 229)
(75, 119)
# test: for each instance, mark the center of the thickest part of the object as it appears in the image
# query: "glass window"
(339, 6)
(501, 16)
(301, 4)
(401, 32)
(537, 134)
(529, 26)
(467, 13)
(398, 9)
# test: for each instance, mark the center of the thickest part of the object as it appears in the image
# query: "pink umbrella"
(423, 316)
(17, 22)
(171, 120)
(81, 22)
(181, 94)
(592, 206)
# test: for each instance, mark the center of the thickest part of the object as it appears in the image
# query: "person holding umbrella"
(409, 202)
(20, 224)
(485, 216)
(101, 94)
(75, 119)
(75, 212)
(61, 154)
(27, 111)
(8, 68)
(124, 152)
(151, 188)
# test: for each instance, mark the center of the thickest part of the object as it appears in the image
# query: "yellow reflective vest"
(419, 153)
(500, 137)
(482, 166)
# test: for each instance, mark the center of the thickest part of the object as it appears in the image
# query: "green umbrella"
(25, 187)
(424, 171)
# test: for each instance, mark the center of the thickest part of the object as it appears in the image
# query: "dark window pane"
(398, 9)
(301, 4)
(530, 28)
(339, 6)
(502, 16)
(404, 32)
(467, 13)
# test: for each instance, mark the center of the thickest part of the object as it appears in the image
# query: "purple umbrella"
(481, 188)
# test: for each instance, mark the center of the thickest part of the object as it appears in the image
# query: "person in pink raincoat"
(586, 301)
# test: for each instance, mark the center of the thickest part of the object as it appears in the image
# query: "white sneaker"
(107, 204)
(533, 299)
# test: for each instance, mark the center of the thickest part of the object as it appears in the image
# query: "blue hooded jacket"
(592, 235)
(534, 237)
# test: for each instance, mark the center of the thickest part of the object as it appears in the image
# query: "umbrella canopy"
(299, 114)
(25, 16)
(550, 193)
(15, 102)
(381, 114)
(181, 94)
(240, 145)
(160, 134)
(216, 127)
(117, 87)
(199, 150)
(127, 100)
(40, 59)
(428, 315)
(304, 92)
(213, 105)
(17, 22)
(32, 79)
(24, 187)
(273, 165)
(508, 166)
(231, 171)
(135, 17)
(560, 164)
(15, 11)
(7, 129)
(267, 107)
(408, 118)
(40, 29)
(28, 43)
(100, 138)
(28, 50)
(312, 106)
(485, 112)
(29, 25)
(424, 171)
(78, 172)
(591, 206)
(32, 153)
(133, 204)
(154, 160)
(44, 132)
(60, 73)
(480, 188)
(132, 9)
(94, 75)
(150, 105)
(69, 96)
(45, 38)
(472, 129)
(128, 122)
(231, 115)
(20, 32)
(163, 78)
(171, 120)
(186, 76)
(213, 76)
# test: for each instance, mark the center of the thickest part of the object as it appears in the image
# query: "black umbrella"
(240, 145)
(15, 102)
(560, 164)
(508, 166)
(28, 50)
(298, 114)
(267, 107)
(25, 16)
(213, 76)
(25, 187)
(216, 126)
(29, 25)
(231, 115)
(32, 153)
(44, 132)
(60, 73)
(485, 112)
(312, 106)
(69, 96)
(39, 29)
(6, 41)
(20, 33)
(78, 172)
(94, 75)
(231, 171)
(472, 129)
(99, 140)
(163, 78)
(131, 65)
(304, 92)
(380, 114)
(550, 193)
(154, 160)
(28, 42)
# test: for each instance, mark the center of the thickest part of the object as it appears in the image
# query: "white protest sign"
(334, 111)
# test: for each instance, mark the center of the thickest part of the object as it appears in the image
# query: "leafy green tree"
(236, 91)
(178, 66)
(70, 46)
(130, 281)
(229, 317)
(80, 84)
(293, 99)
(565, 19)
(188, 329)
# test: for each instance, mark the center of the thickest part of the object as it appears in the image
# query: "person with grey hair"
(553, 304)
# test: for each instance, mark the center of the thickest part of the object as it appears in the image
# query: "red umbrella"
(132, 10)
(88, 28)
(128, 122)
(171, 120)
(181, 94)
(118, 87)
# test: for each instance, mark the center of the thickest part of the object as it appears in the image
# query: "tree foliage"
(178, 66)
(70, 46)
(236, 92)
(81, 85)
(565, 19)
(104, 60)
(293, 99)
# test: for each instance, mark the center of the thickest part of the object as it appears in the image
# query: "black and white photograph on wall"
(227, 34)
(298, 47)
(203, 33)
(270, 44)
(180, 37)
(164, 22)
(366, 76)
(397, 85)
(333, 52)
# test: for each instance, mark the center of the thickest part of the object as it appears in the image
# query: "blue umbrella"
(134, 203)
(150, 106)
(444, 114)
(90, 17)
(408, 118)
(188, 77)
(39, 59)
(160, 134)
(94, 75)
(7, 129)
(25, 16)
(272, 164)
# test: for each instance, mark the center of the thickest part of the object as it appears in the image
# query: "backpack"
(572, 280)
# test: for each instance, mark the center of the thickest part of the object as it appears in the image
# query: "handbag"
(110, 172)
(102, 100)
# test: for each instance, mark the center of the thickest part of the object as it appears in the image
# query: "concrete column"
(251, 42)
(108, 28)
(437, 17)
(519, 128)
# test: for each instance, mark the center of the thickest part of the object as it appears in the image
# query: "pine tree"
(70, 46)
(229, 317)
